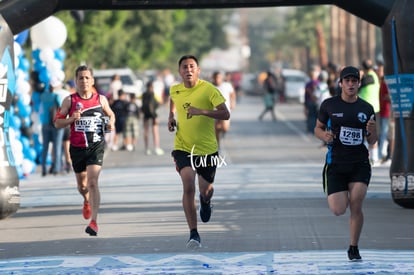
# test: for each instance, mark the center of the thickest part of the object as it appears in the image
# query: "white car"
(295, 81)
(130, 82)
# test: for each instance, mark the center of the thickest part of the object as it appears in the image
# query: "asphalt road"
(269, 217)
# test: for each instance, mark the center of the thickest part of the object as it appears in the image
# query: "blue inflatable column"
(9, 179)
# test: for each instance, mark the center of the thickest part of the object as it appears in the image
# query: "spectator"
(114, 87)
(370, 92)
(57, 88)
(149, 109)
(131, 129)
(49, 104)
(386, 131)
(269, 96)
(119, 107)
(311, 99)
(280, 84)
(227, 90)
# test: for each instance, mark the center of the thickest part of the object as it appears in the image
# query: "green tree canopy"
(146, 39)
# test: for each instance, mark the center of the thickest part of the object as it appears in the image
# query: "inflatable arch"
(393, 16)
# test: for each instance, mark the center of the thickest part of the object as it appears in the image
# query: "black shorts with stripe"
(337, 176)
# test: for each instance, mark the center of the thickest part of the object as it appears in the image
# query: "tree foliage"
(144, 39)
(281, 35)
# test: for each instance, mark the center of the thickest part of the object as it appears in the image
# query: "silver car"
(295, 81)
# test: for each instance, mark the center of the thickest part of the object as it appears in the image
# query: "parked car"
(130, 82)
(249, 84)
(295, 81)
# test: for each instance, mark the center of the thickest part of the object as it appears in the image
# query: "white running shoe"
(159, 151)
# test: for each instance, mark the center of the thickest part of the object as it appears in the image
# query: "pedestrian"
(131, 129)
(57, 88)
(119, 107)
(311, 98)
(84, 111)
(49, 104)
(280, 81)
(169, 80)
(386, 131)
(114, 86)
(227, 90)
(149, 109)
(197, 104)
(269, 96)
(344, 122)
(323, 91)
(370, 92)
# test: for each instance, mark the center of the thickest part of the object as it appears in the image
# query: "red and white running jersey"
(89, 129)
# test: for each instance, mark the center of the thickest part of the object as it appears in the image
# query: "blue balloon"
(36, 55)
(17, 134)
(25, 111)
(27, 122)
(44, 76)
(16, 123)
(24, 64)
(60, 54)
(30, 154)
(25, 142)
(39, 65)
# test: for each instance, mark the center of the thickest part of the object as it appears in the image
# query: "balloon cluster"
(20, 121)
(47, 38)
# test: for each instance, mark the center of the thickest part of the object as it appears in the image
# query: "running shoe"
(86, 211)
(205, 210)
(353, 253)
(159, 151)
(194, 242)
(92, 229)
(129, 147)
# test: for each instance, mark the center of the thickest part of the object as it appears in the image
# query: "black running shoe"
(194, 242)
(205, 210)
(353, 253)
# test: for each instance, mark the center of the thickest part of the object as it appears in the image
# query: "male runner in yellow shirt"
(197, 104)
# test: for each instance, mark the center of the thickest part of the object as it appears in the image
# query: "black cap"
(349, 71)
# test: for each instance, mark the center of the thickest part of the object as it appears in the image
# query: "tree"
(141, 39)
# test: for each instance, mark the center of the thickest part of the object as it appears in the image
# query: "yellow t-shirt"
(195, 134)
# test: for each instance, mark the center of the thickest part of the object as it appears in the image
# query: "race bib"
(88, 124)
(351, 136)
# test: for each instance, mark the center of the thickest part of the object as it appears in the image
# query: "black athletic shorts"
(82, 157)
(336, 177)
(204, 166)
